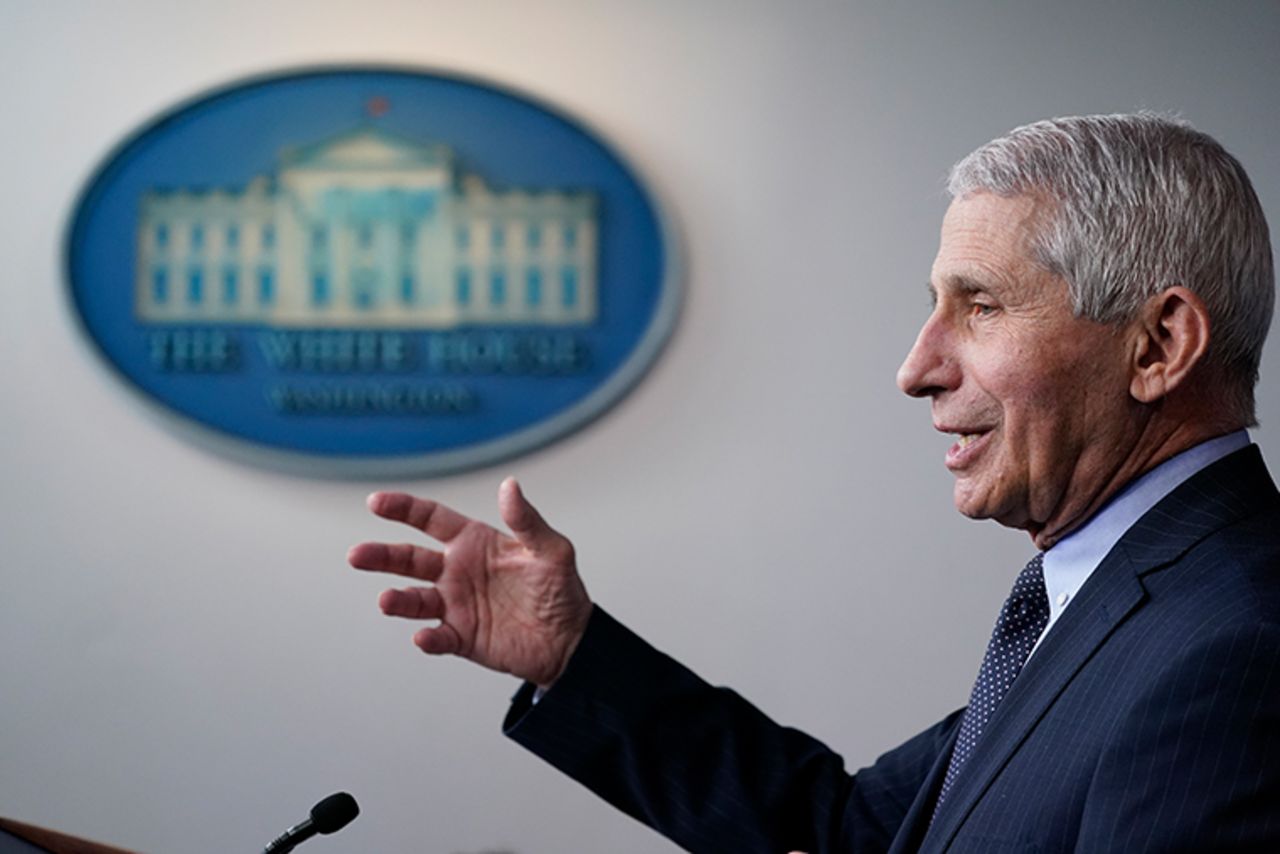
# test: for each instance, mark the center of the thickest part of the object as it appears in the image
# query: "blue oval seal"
(370, 271)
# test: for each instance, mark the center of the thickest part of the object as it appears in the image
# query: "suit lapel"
(916, 824)
(1083, 627)
(1222, 493)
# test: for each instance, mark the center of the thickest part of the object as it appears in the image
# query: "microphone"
(329, 816)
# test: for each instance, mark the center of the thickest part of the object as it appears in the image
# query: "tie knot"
(1028, 601)
(1032, 573)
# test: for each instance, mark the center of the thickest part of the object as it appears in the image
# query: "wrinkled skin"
(511, 603)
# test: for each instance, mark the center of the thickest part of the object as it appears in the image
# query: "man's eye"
(982, 309)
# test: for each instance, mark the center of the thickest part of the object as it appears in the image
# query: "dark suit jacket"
(1147, 721)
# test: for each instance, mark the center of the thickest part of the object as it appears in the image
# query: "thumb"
(522, 518)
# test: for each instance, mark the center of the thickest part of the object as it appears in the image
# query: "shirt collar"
(1074, 558)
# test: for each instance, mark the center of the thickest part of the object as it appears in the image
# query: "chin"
(965, 495)
(983, 507)
(968, 506)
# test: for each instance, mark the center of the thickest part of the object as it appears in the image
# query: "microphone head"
(334, 813)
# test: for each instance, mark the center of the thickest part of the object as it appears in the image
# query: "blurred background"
(186, 662)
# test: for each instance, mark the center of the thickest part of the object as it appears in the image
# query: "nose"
(930, 368)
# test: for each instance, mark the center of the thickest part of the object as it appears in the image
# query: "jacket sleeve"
(704, 767)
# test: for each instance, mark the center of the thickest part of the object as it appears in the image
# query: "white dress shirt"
(1070, 561)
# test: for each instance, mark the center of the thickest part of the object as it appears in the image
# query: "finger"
(438, 640)
(430, 517)
(522, 518)
(414, 603)
(398, 558)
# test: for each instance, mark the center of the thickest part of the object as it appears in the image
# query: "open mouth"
(966, 448)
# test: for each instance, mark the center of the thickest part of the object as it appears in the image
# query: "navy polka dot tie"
(1022, 620)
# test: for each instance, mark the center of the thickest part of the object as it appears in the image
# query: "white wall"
(186, 664)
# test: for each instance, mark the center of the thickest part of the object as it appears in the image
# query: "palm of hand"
(513, 604)
(506, 603)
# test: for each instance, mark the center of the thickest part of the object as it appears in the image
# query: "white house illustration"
(367, 230)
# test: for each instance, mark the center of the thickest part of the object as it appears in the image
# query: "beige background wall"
(186, 664)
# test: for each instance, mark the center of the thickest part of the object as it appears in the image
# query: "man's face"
(1038, 397)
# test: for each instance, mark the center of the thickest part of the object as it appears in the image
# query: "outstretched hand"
(511, 603)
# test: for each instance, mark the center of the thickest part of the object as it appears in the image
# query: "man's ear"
(1171, 335)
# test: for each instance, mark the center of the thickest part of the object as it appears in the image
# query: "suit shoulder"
(1231, 577)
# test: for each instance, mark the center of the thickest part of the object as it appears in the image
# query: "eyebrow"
(966, 285)
(961, 283)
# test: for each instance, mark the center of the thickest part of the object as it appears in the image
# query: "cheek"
(1064, 419)
(1045, 416)
(1026, 398)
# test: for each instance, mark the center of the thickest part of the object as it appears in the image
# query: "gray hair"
(1141, 203)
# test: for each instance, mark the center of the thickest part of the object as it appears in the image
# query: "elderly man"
(1100, 299)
